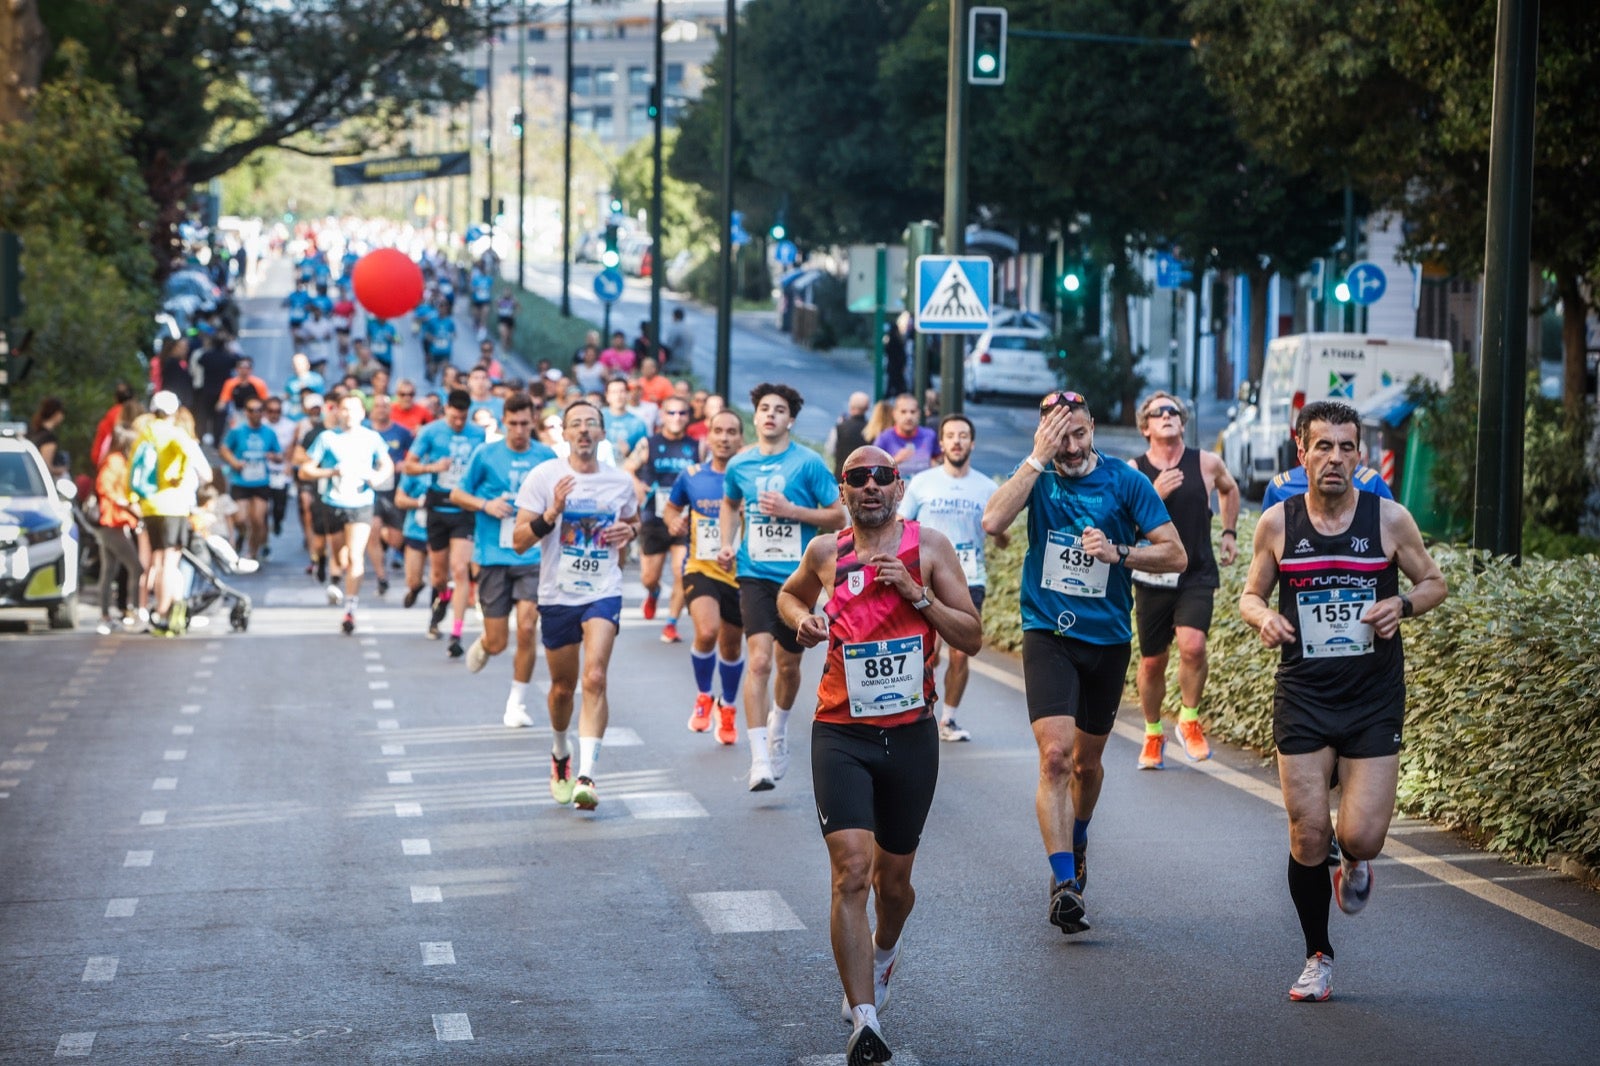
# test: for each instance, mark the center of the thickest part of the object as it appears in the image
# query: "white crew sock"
(519, 690)
(758, 742)
(588, 752)
(778, 721)
(865, 1014)
(558, 745)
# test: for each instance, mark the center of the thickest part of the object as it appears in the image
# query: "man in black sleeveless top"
(1339, 703)
(1178, 607)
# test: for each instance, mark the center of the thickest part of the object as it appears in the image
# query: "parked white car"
(1009, 361)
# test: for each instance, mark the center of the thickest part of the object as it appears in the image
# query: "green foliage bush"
(542, 332)
(1503, 686)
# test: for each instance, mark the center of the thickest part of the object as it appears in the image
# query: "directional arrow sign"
(953, 293)
(1367, 283)
(608, 285)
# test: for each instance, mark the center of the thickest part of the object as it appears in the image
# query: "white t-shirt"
(954, 506)
(576, 567)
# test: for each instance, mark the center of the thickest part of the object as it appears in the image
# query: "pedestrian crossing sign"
(953, 293)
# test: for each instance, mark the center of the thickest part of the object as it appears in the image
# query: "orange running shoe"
(727, 733)
(700, 720)
(1195, 745)
(1153, 757)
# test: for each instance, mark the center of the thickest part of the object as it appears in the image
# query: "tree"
(683, 226)
(22, 52)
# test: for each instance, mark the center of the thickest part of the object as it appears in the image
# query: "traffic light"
(986, 46)
(609, 257)
(11, 306)
(1072, 280)
(1341, 291)
(516, 123)
(616, 206)
(778, 231)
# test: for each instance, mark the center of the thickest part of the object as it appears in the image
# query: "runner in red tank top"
(874, 741)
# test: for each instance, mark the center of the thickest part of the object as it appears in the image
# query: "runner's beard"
(871, 519)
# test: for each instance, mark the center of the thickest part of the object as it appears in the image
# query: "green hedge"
(1503, 690)
(542, 332)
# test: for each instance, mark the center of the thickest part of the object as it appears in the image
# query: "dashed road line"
(426, 894)
(648, 805)
(416, 846)
(100, 968)
(438, 953)
(139, 858)
(153, 818)
(452, 1027)
(183, 730)
(745, 912)
(400, 777)
(394, 749)
(408, 810)
(164, 784)
(388, 723)
(74, 1045)
(174, 755)
(122, 908)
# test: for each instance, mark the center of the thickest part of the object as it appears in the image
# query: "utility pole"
(566, 180)
(1502, 380)
(725, 254)
(488, 136)
(955, 206)
(658, 98)
(522, 140)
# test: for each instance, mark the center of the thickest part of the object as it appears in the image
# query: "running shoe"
(1195, 745)
(1352, 885)
(1315, 983)
(669, 634)
(335, 595)
(650, 597)
(433, 631)
(454, 649)
(477, 656)
(516, 716)
(700, 720)
(866, 1045)
(585, 797)
(1066, 907)
(880, 982)
(411, 596)
(761, 779)
(951, 733)
(383, 584)
(104, 628)
(1153, 756)
(777, 751)
(1335, 856)
(1080, 863)
(441, 607)
(348, 626)
(322, 569)
(561, 779)
(727, 729)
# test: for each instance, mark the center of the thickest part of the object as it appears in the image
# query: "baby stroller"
(204, 560)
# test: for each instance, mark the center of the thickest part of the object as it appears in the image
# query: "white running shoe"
(1315, 983)
(777, 750)
(335, 595)
(866, 1045)
(880, 983)
(1352, 885)
(761, 779)
(516, 716)
(951, 733)
(477, 656)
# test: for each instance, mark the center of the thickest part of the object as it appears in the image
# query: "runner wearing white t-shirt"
(580, 513)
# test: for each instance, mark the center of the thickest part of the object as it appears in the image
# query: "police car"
(38, 537)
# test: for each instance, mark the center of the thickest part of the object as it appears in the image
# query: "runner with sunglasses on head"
(1172, 606)
(894, 589)
(776, 497)
(1087, 517)
(655, 464)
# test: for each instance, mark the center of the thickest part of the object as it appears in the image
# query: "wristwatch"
(927, 599)
(1406, 609)
(1122, 554)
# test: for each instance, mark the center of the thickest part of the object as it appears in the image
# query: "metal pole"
(659, 96)
(522, 139)
(1497, 509)
(880, 298)
(488, 136)
(951, 346)
(725, 253)
(566, 182)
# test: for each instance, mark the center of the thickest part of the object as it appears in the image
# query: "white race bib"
(774, 540)
(422, 518)
(884, 677)
(449, 479)
(971, 564)
(707, 538)
(582, 571)
(1070, 570)
(1330, 622)
(255, 471)
(508, 526)
(663, 496)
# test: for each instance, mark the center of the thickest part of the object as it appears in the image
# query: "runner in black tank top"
(1339, 702)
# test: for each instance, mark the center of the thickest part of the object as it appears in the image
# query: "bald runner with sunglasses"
(1087, 519)
(1175, 607)
(894, 589)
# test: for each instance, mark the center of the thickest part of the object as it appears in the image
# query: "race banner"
(403, 168)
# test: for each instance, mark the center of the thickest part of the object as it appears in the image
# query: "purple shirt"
(924, 440)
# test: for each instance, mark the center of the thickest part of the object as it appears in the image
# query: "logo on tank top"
(1303, 547)
(856, 582)
(1359, 544)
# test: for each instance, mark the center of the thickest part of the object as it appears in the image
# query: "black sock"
(1311, 889)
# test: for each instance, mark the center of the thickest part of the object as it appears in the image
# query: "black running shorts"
(758, 603)
(655, 539)
(1071, 677)
(1159, 612)
(882, 780)
(446, 526)
(698, 585)
(1299, 727)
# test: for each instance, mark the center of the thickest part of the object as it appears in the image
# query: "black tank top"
(1325, 583)
(1190, 509)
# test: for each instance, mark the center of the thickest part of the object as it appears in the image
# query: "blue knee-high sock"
(732, 673)
(704, 667)
(1062, 866)
(1080, 832)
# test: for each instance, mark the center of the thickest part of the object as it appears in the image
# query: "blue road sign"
(954, 293)
(1171, 273)
(1367, 283)
(608, 285)
(786, 253)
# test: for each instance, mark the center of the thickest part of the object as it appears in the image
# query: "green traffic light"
(778, 232)
(616, 206)
(1071, 282)
(1341, 292)
(610, 258)
(987, 63)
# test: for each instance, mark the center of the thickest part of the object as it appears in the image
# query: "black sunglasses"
(880, 475)
(1063, 398)
(1163, 411)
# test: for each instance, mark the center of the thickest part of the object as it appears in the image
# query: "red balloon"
(387, 282)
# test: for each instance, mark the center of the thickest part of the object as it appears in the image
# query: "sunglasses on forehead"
(879, 475)
(1063, 398)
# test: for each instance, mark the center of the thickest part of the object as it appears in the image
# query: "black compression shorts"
(866, 777)
(1071, 677)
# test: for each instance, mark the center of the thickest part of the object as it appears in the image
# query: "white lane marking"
(416, 846)
(438, 953)
(42, 731)
(377, 686)
(621, 737)
(100, 968)
(139, 858)
(74, 1045)
(384, 704)
(408, 810)
(212, 645)
(207, 660)
(426, 894)
(164, 784)
(374, 655)
(203, 673)
(394, 749)
(122, 908)
(56, 717)
(368, 642)
(388, 723)
(189, 708)
(452, 1027)
(153, 818)
(197, 690)
(664, 805)
(65, 703)
(376, 668)
(174, 755)
(1421, 861)
(400, 777)
(18, 765)
(745, 912)
(33, 747)
(183, 730)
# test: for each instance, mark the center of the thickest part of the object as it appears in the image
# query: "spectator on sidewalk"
(849, 433)
(678, 344)
(122, 395)
(913, 445)
(47, 417)
(619, 358)
(118, 531)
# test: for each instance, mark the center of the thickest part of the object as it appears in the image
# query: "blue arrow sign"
(608, 285)
(1367, 283)
(953, 293)
(1170, 272)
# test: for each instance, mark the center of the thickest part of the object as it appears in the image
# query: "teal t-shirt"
(497, 471)
(771, 548)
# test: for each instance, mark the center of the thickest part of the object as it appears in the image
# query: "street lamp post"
(566, 181)
(488, 135)
(522, 139)
(955, 205)
(725, 254)
(659, 101)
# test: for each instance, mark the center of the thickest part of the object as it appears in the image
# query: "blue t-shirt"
(399, 439)
(424, 313)
(251, 447)
(770, 549)
(497, 471)
(325, 302)
(668, 458)
(381, 339)
(494, 405)
(355, 453)
(482, 288)
(1295, 483)
(440, 332)
(300, 382)
(416, 523)
(299, 307)
(436, 441)
(624, 431)
(1086, 599)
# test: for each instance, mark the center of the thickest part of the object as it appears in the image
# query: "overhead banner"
(403, 168)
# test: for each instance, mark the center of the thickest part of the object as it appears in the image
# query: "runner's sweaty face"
(1329, 456)
(1076, 454)
(871, 506)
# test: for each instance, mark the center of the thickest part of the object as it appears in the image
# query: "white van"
(1307, 367)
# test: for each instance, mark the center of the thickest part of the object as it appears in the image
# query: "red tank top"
(880, 647)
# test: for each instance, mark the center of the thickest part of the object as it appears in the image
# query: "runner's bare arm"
(1273, 627)
(729, 522)
(799, 594)
(952, 613)
(1403, 540)
(1228, 499)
